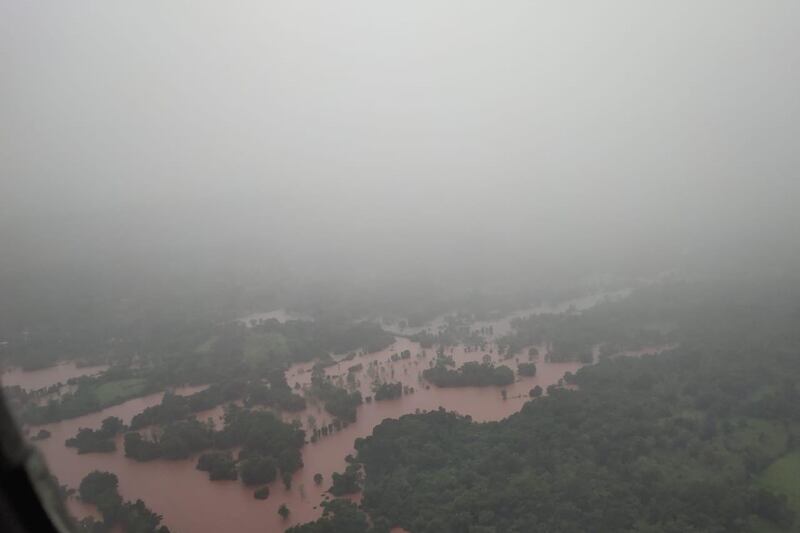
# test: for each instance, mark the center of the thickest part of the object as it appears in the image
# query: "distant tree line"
(471, 374)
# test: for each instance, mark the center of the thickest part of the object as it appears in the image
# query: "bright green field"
(116, 391)
(783, 477)
(260, 348)
(206, 346)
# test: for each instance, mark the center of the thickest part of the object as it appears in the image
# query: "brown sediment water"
(37, 379)
(189, 502)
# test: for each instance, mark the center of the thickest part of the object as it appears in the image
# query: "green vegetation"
(219, 465)
(338, 402)
(340, 516)
(100, 488)
(456, 330)
(526, 369)
(234, 358)
(700, 438)
(782, 477)
(470, 374)
(348, 482)
(41, 435)
(535, 392)
(114, 392)
(174, 407)
(258, 470)
(100, 440)
(388, 391)
(266, 442)
(177, 441)
(92, 394)
(613, 326)
(261, 348)
(275, 392)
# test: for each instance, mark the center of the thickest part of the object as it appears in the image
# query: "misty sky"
(369, 133)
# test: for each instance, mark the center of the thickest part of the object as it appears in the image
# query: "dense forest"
(100, 488)
(676, 442)
(240, 361)
(680, 441)
(266, 444)
(469, 374)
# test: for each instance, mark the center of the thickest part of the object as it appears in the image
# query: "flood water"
(190, 502)
(36, 379)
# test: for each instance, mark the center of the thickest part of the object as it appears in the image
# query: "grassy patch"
(261, 348)
(768, 436)
(783, 477)
(206, 346)
(120, 390)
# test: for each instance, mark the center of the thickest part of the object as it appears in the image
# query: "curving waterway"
(189, 502)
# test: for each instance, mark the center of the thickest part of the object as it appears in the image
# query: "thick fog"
(366, 139)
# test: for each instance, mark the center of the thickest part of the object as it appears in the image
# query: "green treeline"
(237, 360)
(469, 374)
(99, 440)
(338, 401)
(266, 443)
(100, 488)
(677, 442)
(339, 516)
(388, 391)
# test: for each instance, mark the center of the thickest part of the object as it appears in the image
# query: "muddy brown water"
(36, 379)
(189, 502)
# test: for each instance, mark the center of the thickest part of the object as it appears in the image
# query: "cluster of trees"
(266, 444)
(274, 393)
(526, 369)
(340, 516)
(41, 435)
(219, 465)
(93, 393)
(425, 338)
(307, 340)
(338, 401)
(469, 374)
(99, 440)
(614, 326)
(405, 354)
(100, 488)
(674, 443)
(348, 482)
(257, 469)
(328, 429)
(388, 391)
(176, 440)
(230, 355)
(261, 434)
(175, 407)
